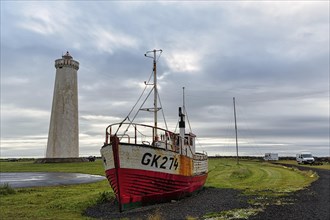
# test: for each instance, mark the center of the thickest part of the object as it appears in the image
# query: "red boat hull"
(140, 187)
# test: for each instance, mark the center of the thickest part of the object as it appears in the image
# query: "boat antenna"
(236, 131)
(154, 57)
(183, 101)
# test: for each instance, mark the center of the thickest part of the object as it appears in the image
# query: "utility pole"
(236, 131)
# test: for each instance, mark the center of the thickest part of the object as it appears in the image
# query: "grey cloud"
(273, 58)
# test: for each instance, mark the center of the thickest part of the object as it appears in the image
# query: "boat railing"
(200, 156)
(134, 133)
(142, 134)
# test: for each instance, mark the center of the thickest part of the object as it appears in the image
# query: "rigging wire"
(184, 108)
(127, 117)
(186, 113)
(188, 120)
(177, 123)
(159, 55)
(199, 144)
(129, 125)
(146, 84)
(161, 107)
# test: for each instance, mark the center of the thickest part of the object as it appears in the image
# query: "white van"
(270, 156)
(305, 158)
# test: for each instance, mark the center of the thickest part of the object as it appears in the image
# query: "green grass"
(233, 214)
(63, 202)
(254, 176)
(59, 202)
(29, 166)
(265, 180)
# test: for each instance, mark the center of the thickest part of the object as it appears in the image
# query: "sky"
(272, 56)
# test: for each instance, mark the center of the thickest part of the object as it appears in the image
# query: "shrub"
(241, 173)
(6, 189)
(104, 197)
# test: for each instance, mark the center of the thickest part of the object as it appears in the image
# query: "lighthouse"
(63, 136)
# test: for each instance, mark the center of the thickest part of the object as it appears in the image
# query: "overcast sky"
(272, 56)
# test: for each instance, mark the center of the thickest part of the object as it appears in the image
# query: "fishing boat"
(146, 164)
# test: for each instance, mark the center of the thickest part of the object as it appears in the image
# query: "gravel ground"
(205, 201)
(311, 203)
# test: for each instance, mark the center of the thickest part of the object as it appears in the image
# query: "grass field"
(253, 176)
(60, 202)
(28, 165)
(69, 202)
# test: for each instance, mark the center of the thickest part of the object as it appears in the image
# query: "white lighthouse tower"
(63, 140)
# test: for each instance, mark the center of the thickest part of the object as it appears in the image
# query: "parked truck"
(305, 158)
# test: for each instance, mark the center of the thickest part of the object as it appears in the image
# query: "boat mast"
(154, 57)
(236, 131)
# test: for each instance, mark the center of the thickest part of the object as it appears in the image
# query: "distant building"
(63, 136)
